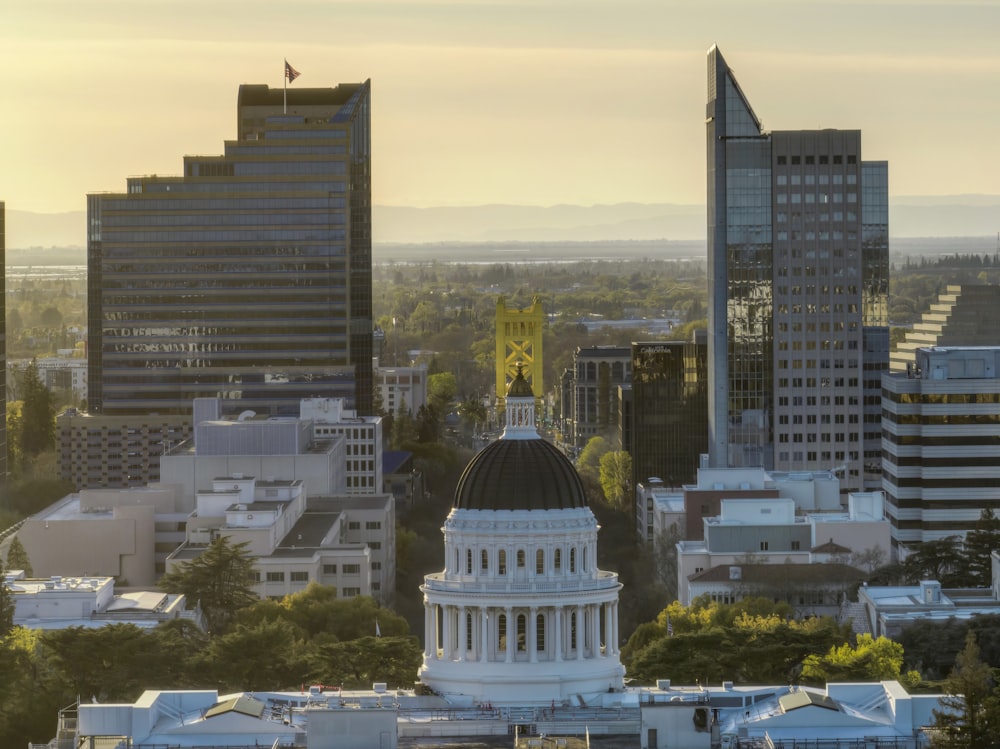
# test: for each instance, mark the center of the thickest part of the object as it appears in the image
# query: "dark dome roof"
(519, 387)
(517, 474)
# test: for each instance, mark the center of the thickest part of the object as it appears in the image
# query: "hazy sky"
(505, 101)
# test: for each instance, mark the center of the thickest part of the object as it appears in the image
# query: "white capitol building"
(521, 613)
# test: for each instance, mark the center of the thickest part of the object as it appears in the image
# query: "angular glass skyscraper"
(249, 276)
(798, 290)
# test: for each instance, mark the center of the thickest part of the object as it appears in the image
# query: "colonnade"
(456, 632)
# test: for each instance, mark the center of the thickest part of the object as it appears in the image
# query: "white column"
(558, 633)
(462, 633)
(581, 633)
(484, 634)
(614, 620)
(511, 635)
(430, 634)
(533, 635)
(609, 646)
(446, 650)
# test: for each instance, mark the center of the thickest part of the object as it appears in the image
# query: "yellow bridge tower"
(519, 341)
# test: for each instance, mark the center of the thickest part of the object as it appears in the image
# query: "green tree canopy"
(869, 659)
(37, 426)
(970, 718)
(220, 578)
(616, 478)
(17, 558)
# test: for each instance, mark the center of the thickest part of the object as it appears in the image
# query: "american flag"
(670, 627)
(291, 73)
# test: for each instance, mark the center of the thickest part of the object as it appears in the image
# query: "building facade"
(3, 347)
(962, 315)
(669, 409)
(798, 289)
(248, 277)
(598, 372)
(941, 442)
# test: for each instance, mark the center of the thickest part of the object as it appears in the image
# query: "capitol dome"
(514, 474)
(521, 613)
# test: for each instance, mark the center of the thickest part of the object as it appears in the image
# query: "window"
(763, 545)
(329, 569)
(557, 559)
(521, 633)
(350, 592)
(572, 560)
(520, 558)
(468, 561)
(375, 545)
(539, 562)
(502, 562)
(484, 560)
(468, 631)
(276, 577)
(255, 576)
(354, 525)
(795, 545)
(540, 633)
(373, 525)
(502, 632)
(376, 566)
(352, 569)
(300, 576)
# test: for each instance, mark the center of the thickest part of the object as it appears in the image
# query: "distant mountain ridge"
(909, 216)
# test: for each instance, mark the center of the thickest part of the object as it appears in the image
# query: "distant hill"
(909, 216)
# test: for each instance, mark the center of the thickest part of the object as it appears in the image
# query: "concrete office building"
(962, 315)
(96, 452)
(248, 277)
(598, 371)
(798, 289)
(941, 442)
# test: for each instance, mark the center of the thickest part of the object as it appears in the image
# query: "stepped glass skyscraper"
(798, 291)
(248, 277)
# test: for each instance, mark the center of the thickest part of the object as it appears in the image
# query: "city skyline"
(541, 103)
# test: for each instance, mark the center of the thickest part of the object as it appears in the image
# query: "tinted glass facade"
(249, 276)
(798, 290)
(669, 405)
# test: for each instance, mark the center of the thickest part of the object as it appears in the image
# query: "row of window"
(823, 158)
(521, 561)
(816, 179)
(823, 363)
(824, 455)
(520, 623)
(797, 198)
(820, 418)
(812, 400)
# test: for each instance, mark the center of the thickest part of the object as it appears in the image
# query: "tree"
(616, 478)
(6, 605)
(589, 462)
(971, 715)
(17, 557)
(979, 544)
(37, 426)
(869, 559)
(220, 578)
(870, 659)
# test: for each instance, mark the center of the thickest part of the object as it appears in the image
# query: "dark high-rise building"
(669, 405)
(248, 277)
(798, 290)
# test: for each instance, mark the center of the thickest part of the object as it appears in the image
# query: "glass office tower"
(249, 276)
(798, 289)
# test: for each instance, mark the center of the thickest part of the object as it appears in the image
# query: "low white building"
(60, 602)
(769, 531)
